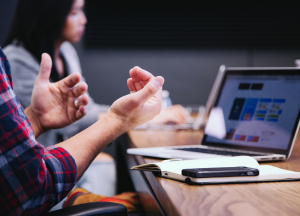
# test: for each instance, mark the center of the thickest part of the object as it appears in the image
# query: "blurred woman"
(48, 26)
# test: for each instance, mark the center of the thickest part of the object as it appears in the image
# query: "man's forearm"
(85, 146)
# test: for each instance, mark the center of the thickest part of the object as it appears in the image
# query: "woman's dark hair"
(37, 24)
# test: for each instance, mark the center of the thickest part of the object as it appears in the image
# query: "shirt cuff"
(62, 168)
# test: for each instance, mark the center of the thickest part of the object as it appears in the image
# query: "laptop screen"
(261, 109)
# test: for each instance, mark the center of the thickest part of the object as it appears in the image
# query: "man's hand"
(55, 105)
(144, 101)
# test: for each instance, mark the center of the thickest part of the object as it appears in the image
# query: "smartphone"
(220, 172)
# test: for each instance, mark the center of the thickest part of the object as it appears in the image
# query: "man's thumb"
(150, 89)
(45, 69)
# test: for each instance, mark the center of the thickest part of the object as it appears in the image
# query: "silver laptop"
(261, 110)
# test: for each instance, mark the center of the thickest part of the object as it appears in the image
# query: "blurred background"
(183, 40)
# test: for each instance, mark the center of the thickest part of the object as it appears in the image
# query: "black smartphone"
(220, 172)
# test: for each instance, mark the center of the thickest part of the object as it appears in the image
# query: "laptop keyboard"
(222, 152)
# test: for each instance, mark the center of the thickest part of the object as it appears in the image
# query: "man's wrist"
(34, 120)
(117, 123)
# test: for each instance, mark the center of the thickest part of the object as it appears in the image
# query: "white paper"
(215, 125)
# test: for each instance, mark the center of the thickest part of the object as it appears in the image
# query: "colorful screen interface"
(259, 110)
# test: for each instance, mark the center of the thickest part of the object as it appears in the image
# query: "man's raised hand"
(55, 105)
(144, 102)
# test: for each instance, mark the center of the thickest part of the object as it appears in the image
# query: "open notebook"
(172, 170)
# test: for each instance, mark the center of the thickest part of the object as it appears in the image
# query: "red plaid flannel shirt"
(32, 178)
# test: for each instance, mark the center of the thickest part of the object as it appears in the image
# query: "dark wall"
(189, 72)
(7, 8)
(192, 23)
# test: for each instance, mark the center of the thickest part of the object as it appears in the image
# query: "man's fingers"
(80, 89)
(139, 74)
(82, 101)
(140, 77)
(138, 85)
(71, 80)
(131, 85)
(45, 69)
(149, 90)
(80, 112)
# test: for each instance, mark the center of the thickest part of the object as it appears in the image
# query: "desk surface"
(176, 198)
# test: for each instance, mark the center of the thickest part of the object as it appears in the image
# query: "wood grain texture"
(278, 198)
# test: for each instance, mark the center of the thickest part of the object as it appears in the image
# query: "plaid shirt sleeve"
(32, 178)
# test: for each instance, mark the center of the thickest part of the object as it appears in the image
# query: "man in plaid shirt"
(33, 178)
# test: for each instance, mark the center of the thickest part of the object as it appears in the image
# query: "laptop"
(261, 108)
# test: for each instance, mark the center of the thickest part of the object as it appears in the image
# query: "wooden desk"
(176, 198)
